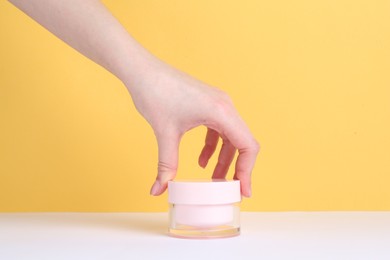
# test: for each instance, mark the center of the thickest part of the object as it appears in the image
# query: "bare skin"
(171, 101)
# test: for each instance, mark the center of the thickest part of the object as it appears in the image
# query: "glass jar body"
(204, 221)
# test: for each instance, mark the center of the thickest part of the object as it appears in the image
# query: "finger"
(240, 137)
(168, 146)
(244, 166)
(225, 158)
(208, 150)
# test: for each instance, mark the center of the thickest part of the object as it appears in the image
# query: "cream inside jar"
(204, 208)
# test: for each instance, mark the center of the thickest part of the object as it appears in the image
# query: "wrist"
(138, 70)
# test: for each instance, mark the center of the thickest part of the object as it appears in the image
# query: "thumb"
(168, 146)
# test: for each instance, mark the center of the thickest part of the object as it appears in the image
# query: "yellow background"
(311, 79)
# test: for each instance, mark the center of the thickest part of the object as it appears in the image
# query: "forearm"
(89, 27)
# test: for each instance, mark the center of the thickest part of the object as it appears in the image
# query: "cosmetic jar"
(204, 208)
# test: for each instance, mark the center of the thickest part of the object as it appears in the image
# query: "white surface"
(293, 235)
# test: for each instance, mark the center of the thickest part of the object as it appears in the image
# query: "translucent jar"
(204, 208)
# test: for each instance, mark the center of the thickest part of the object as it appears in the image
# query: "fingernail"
(249, 193)
(203, 163)
(155, 188)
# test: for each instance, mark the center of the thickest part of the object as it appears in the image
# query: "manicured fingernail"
(155, 188)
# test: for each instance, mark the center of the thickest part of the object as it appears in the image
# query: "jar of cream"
(204, 208)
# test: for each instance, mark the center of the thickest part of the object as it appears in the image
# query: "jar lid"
(204, 192)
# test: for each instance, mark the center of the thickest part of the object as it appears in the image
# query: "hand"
(173, 103)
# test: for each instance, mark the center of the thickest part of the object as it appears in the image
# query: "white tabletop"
(289, 235)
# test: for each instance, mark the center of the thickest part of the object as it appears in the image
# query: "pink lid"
(204, 192)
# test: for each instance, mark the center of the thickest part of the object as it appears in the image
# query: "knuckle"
(225, 96)
(222, 108)
(165, 168)
(220, 165)
(256, 146)
(253, 148)
(166, 172)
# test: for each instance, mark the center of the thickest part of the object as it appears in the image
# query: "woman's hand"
(173, 103)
